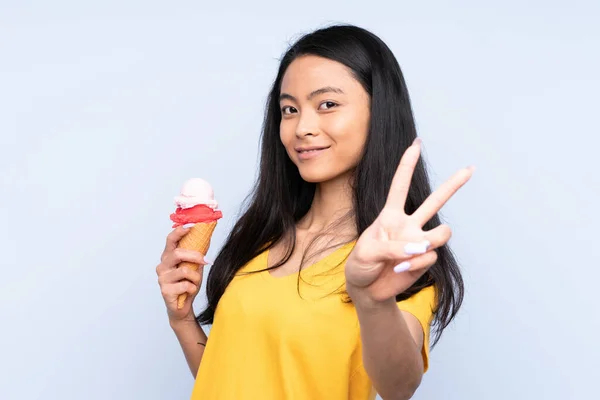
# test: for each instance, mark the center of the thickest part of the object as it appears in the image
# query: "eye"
(287, 110)
(326, 105)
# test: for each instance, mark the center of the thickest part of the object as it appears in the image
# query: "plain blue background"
(107, 107)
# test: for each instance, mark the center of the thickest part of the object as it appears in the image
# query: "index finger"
(175, 236)
(401, 182)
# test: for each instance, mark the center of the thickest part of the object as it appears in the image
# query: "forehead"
(308, 73)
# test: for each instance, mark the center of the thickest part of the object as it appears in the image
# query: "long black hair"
(281, 197)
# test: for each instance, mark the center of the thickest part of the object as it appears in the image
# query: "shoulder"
(418, 311)
(424, 299)
(421, 304)
(255, 264)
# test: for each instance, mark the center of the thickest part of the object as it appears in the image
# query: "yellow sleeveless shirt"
(274, 340)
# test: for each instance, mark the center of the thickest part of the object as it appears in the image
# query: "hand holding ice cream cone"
(175, 281)
(182, 263)
(195, 205)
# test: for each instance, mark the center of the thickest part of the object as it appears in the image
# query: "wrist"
(362, 301)
(369, 305)
(183, 322)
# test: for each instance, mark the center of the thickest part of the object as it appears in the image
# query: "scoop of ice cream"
(195, 215)
(194, 192)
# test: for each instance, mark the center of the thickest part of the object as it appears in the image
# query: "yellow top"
(273, 340)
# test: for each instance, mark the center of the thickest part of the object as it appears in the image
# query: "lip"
(308, 152)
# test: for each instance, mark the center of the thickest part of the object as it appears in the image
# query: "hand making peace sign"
(394, 251)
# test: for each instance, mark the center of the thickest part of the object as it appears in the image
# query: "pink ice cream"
(195, 204)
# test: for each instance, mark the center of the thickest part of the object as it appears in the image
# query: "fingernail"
(207, 261)
(403, 266)
(417, 141)
(186, 226)
(416, 248)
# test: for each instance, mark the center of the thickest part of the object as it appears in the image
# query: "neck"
(332, 200)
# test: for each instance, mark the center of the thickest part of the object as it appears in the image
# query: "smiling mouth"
(312, 150)
(307, 154)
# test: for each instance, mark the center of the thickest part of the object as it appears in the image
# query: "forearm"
(390, 355)
(189, 334)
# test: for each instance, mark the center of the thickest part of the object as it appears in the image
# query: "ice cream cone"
(197, 239)
(195, 204)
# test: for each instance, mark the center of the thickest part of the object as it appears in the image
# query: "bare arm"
(175, 281)
(391, 340)
(190, 334)
(388, 258)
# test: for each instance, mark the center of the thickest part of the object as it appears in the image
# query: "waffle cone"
(197, 239)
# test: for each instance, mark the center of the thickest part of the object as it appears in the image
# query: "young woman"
(329, 283)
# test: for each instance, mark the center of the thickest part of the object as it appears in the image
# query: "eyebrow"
(326, 89)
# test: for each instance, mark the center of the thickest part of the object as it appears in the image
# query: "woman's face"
(324, 118)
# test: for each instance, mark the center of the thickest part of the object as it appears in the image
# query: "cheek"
(350, 135)
(285, 132)
(287, 135)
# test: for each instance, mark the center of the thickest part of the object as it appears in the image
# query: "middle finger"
(180, 274)
(177, 256)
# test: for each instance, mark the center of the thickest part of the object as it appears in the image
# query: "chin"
(319, 175)
(315, 177)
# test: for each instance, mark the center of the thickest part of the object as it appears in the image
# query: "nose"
(308, 125)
